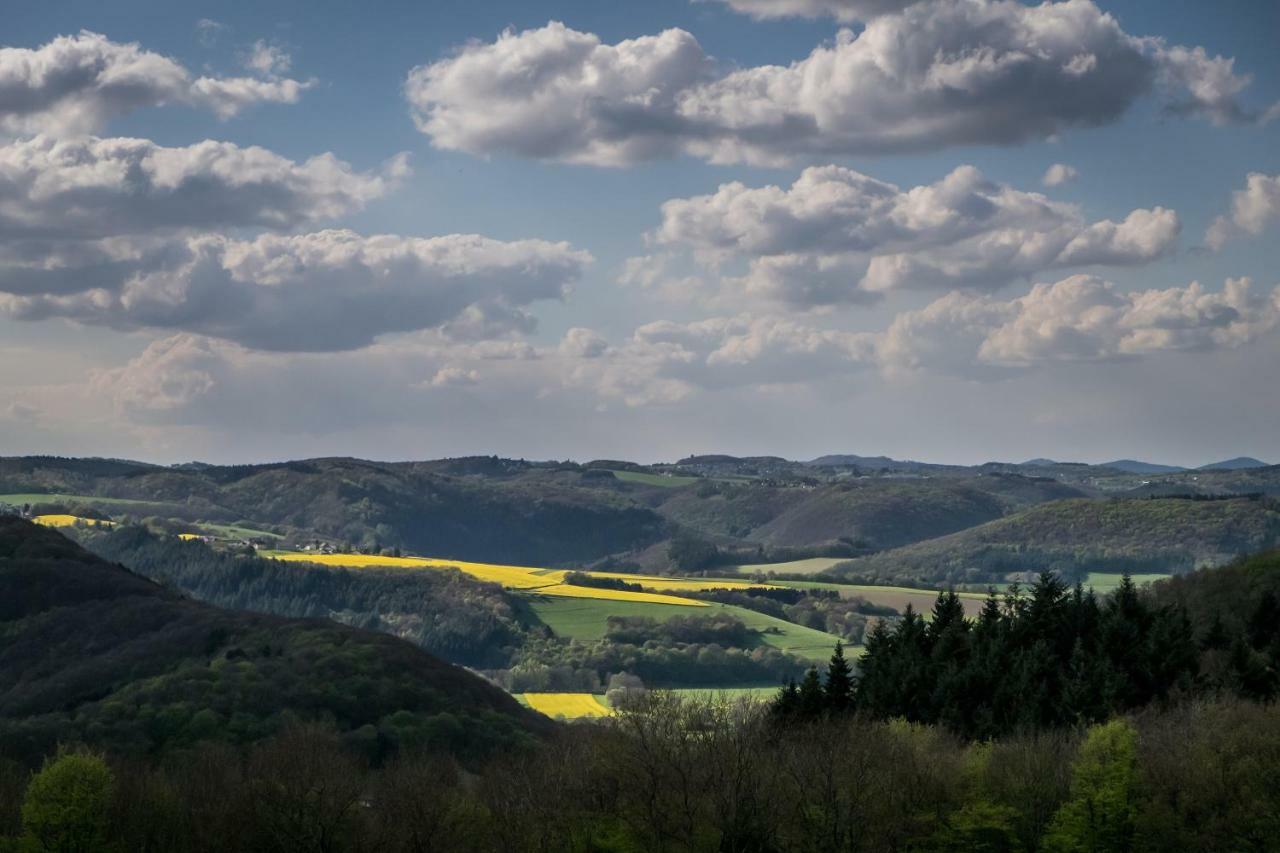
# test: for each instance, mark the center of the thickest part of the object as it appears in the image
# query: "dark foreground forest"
(688, 777)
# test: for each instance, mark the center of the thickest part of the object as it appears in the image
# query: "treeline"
(1053, 657)
(446, 613)
(681, 777)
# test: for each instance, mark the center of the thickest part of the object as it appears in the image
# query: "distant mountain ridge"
(1237, 464)
(1134, 466)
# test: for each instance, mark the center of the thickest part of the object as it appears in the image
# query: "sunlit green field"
(897, 597)
(48, 497)
(811, 566)
(1103, 583)
(647, 479)
(586, 620)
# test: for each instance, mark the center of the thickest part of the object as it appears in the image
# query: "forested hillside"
(92, 652)
(1074, 537)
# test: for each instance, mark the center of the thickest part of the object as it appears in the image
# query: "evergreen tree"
(838, 689)
(787, 702)
(812, 700)
(1264, 622)
(1216, 637)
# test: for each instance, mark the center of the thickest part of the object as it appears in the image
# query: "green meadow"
(586, 619)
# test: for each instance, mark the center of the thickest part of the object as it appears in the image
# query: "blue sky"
(576, 358)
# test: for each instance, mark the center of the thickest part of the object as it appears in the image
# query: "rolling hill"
(1077, 536)
(91, 652)
(875, 512)
(1236, 464)
(490, 509)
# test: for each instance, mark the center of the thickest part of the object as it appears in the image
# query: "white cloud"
(329, 290)
(1252, 209)
(836, 235)
(269, 60)
(1206, 85)
(1059, 174)
(665, 362)
(841, 10)
(75, 84)
(583, 343)
(555, 93)
(928, 76)
(1081, 318)
(88, 188)
(209, 383)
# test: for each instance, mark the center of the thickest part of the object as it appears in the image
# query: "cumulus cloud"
(841, 10)
(1058, 174)
(328, 290)
(189, 379)
(665, 362)
(1252, 209)
(267, 59)
(75, 84)
(89, 188)
(923, 77)
(559, 94)
(1081, 318)
(1205, 85)
(839, 236)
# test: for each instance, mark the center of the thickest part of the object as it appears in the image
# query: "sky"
(949, 230)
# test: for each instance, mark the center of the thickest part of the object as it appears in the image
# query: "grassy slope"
(1103, 582)
(48, 497)
(586, 620)
(671, 482)
(811, 566)
(897, 597)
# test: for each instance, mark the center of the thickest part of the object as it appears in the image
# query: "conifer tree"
(787, 702)
(839, 686)
(812, 700)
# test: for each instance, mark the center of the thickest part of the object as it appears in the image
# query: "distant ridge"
(1134, 466)
(838, 460)
(1236, 464)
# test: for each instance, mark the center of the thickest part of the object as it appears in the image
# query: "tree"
(66, 804)
(812, 699)
(1099, 815)
(838, 690)
(690, 554)
(787, 702)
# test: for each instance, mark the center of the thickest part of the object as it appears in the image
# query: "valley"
(711, 574)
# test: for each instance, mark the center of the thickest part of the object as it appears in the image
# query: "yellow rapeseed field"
(70, 521)
(511, 577)
(569, 591)
(527, 578)
(568, 705)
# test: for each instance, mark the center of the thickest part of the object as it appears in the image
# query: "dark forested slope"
(92, 652)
